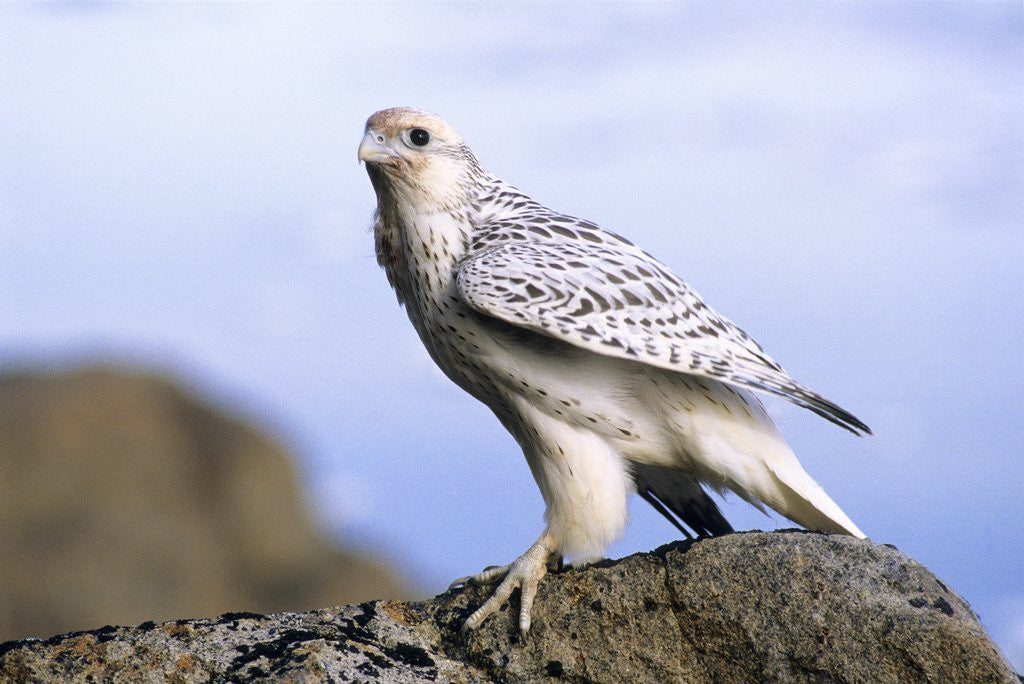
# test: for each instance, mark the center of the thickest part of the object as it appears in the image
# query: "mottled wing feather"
(614, 299)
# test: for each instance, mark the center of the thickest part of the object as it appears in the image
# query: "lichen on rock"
(756, 606)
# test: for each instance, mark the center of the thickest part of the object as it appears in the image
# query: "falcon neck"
(419, 249)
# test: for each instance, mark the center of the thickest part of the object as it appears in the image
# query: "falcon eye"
(419, 137)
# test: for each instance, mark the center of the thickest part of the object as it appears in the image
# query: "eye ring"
(419, 137)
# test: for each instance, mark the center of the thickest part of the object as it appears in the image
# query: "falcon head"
(416, 157)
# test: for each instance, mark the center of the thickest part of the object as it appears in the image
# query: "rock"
(125, 497)
(744, 607)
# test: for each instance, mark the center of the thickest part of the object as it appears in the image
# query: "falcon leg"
(524, 573)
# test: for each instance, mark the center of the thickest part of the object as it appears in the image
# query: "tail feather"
(729, 442)
(753, 460)
(806, 503)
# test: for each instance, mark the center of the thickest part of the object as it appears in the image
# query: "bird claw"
(524, 573)
(490, 574)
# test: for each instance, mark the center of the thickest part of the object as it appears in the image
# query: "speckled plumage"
(610, 371)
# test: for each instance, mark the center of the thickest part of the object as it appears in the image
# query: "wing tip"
(839, 416)
(808, 399)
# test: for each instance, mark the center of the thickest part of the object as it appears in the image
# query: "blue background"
(179, 188)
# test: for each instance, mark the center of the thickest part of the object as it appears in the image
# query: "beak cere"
(373, 152)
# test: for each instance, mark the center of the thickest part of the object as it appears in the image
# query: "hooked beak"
(374, 148)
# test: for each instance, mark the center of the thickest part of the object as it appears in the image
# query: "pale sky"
(179, 188)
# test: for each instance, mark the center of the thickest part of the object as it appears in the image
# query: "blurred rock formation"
(125, 498)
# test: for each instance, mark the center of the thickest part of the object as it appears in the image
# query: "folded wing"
(614, 299)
